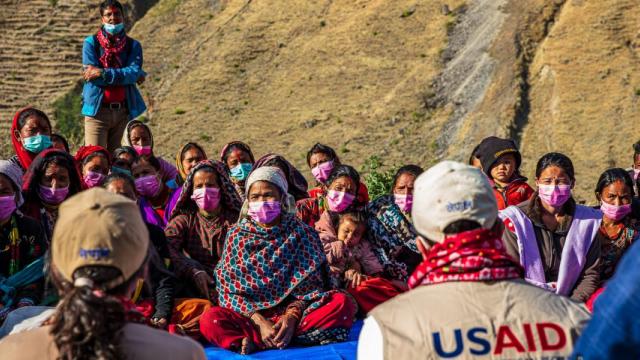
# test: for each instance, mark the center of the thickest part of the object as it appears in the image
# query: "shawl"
(295, 180)
(14, 173)
(230, 199)
(389, 230)
(113, 46)
(24, 156)
(182, 175)
(476, 255)
(261, 267)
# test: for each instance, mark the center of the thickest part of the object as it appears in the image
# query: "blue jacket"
(127, 76)
(614, 330)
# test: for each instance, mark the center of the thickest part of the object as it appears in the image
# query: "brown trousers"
(106, 128)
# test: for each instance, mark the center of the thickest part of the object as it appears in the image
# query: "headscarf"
(295, 180)
(274, 176)
(10, 170)
(476, 255)
(261, 267)
(85, 151)
(126, 141)
(24, 156)
(239, 144)
(181, 172)
(113, 46)
(230, 199)
(38, 167)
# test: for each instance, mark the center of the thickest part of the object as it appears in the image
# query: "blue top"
(614, 330)
(126, 76)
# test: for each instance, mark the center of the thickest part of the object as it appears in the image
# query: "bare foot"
(248, 347)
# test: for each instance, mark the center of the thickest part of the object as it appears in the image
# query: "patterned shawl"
(476, 255)
(113, 46)
(297, 183)
(230, 199)
(260, 267)
(391, 233)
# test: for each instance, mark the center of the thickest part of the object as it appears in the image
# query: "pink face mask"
(553, 195)
(207, 198)
(53, 196)
(404, 202)
(264, 212)
(636, 172)
(148, 186)
(339, 201)
(93, 179)
(322, 171)
(142, 150)
(7, 206)
(614, 212)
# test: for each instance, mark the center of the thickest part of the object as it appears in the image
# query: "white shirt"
(370, 341)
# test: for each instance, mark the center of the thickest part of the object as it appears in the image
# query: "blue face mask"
(35, 144)
(241, 171)
(113, 29)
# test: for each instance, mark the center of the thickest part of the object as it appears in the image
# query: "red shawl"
(476, 255)
(113, 46)
(24, 156)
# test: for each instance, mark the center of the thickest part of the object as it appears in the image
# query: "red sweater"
(518, 191)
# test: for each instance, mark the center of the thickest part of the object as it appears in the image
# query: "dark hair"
(414, 170)
(124, 150)
(119, 176)
(62, 139)
(357, 217)
(152, 160)
(636, 149)
(555, 159)
(39, 166)
(94, 155)
(109, 3)
(22, 118)
(190, 146)
(237, 146)
(322, 149)
(89, 320)
(344, 170)
(612, 175)
(461, 226)
(474, 154)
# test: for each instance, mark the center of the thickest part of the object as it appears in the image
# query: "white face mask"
(113, 29)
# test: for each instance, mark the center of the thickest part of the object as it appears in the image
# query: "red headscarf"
(24, 156)
(476, 255)
(84, 152)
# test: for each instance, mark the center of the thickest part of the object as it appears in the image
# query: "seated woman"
(30, 135)
(321, 159)
(154, 193)
(188, 156)
(93, 165)
(239, 160)
(51, 178)
(138, 135)
(22, 241)
(352, 264)
(59, 142)
(342, 185)
(269, 278)
(554, 238)
(159, 301)
(295, 180)
(618, 230)
(391, 231)
(207, 209)
(122, 159)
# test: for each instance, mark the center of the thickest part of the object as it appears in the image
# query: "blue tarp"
(339, 351)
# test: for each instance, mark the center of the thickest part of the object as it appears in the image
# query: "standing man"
(112, 64)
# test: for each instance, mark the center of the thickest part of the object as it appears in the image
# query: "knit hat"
(97, 227)
(491, 148)
(275, 176)
(448, 192)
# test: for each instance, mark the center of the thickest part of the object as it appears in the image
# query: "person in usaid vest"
(112, 63)
(467, 298)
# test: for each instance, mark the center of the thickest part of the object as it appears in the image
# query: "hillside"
(408, 81)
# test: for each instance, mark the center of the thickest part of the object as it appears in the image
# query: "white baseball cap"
(448, 192)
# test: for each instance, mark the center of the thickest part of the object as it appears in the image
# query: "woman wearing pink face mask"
(154, 193)
(554, 238)
(208, 206)
(93, 164)
(322, 159)
(619, 230)
(391, 232)
(138, 135)
(269, 278)
(634, 172)
(51, 178)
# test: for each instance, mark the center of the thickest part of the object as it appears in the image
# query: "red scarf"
(113, 46)
(476, 255)
(24, 156)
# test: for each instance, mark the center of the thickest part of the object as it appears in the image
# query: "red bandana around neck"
(477, 255)
(113, 46)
